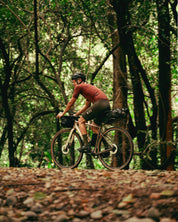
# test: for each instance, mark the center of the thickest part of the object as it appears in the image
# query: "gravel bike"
(151, 154)
(113, 147)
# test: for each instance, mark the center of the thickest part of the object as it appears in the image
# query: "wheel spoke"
(65, 152)
(121, 142)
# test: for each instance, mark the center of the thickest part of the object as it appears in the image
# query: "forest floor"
(88, 195)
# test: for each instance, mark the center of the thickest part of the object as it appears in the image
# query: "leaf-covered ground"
(88, 195)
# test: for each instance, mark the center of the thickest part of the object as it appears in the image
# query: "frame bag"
(68, 121)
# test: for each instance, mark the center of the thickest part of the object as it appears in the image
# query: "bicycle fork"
(65, 147)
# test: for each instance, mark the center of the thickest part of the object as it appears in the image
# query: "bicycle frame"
(100, 134)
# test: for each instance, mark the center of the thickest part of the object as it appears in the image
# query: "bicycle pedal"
(85, 149)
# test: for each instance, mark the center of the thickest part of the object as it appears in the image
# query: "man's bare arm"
(68, 107)
(87, 104)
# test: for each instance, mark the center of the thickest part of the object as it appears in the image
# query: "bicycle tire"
(122, 145)
(66, 157)
(147, 157)
(152, 157)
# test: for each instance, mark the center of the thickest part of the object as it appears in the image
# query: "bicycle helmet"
(79, 75)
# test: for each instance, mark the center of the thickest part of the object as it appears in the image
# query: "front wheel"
(64, 149)
(120, 144)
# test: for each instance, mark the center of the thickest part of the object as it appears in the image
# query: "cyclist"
(96, 111)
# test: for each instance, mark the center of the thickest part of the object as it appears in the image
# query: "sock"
(93, 139)
(85, 139)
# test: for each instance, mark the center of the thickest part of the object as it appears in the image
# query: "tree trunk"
(3, 139)
(119, 67)
(36, 39)
(5, 100)
(165, 119)
(119, 70)
(126, 41)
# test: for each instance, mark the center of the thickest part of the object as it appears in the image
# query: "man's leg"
(82, 126)
(83, 131)
(94, 129)
(89, 114)
(95, 134)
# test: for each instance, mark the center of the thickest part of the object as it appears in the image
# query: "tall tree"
(119, 69)
(165, 119)
(121, 8)
(4, 85)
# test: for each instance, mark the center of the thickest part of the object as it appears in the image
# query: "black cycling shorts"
(97, 111)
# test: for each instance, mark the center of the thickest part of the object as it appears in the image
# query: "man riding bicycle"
(100, 105)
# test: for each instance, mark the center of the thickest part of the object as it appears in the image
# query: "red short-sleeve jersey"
(90, 92)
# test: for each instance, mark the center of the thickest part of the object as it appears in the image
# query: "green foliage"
(73, 36)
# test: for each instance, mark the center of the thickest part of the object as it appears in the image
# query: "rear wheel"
(120, 144)
(65, 153)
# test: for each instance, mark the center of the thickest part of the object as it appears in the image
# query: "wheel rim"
(120, 157)
(66, 156)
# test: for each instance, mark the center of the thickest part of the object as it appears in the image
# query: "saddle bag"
(115, 114)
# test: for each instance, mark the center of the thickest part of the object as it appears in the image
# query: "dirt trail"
(88, 195)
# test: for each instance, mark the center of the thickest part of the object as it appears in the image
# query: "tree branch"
(30, 122)
(102, 63)
(16, 16)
